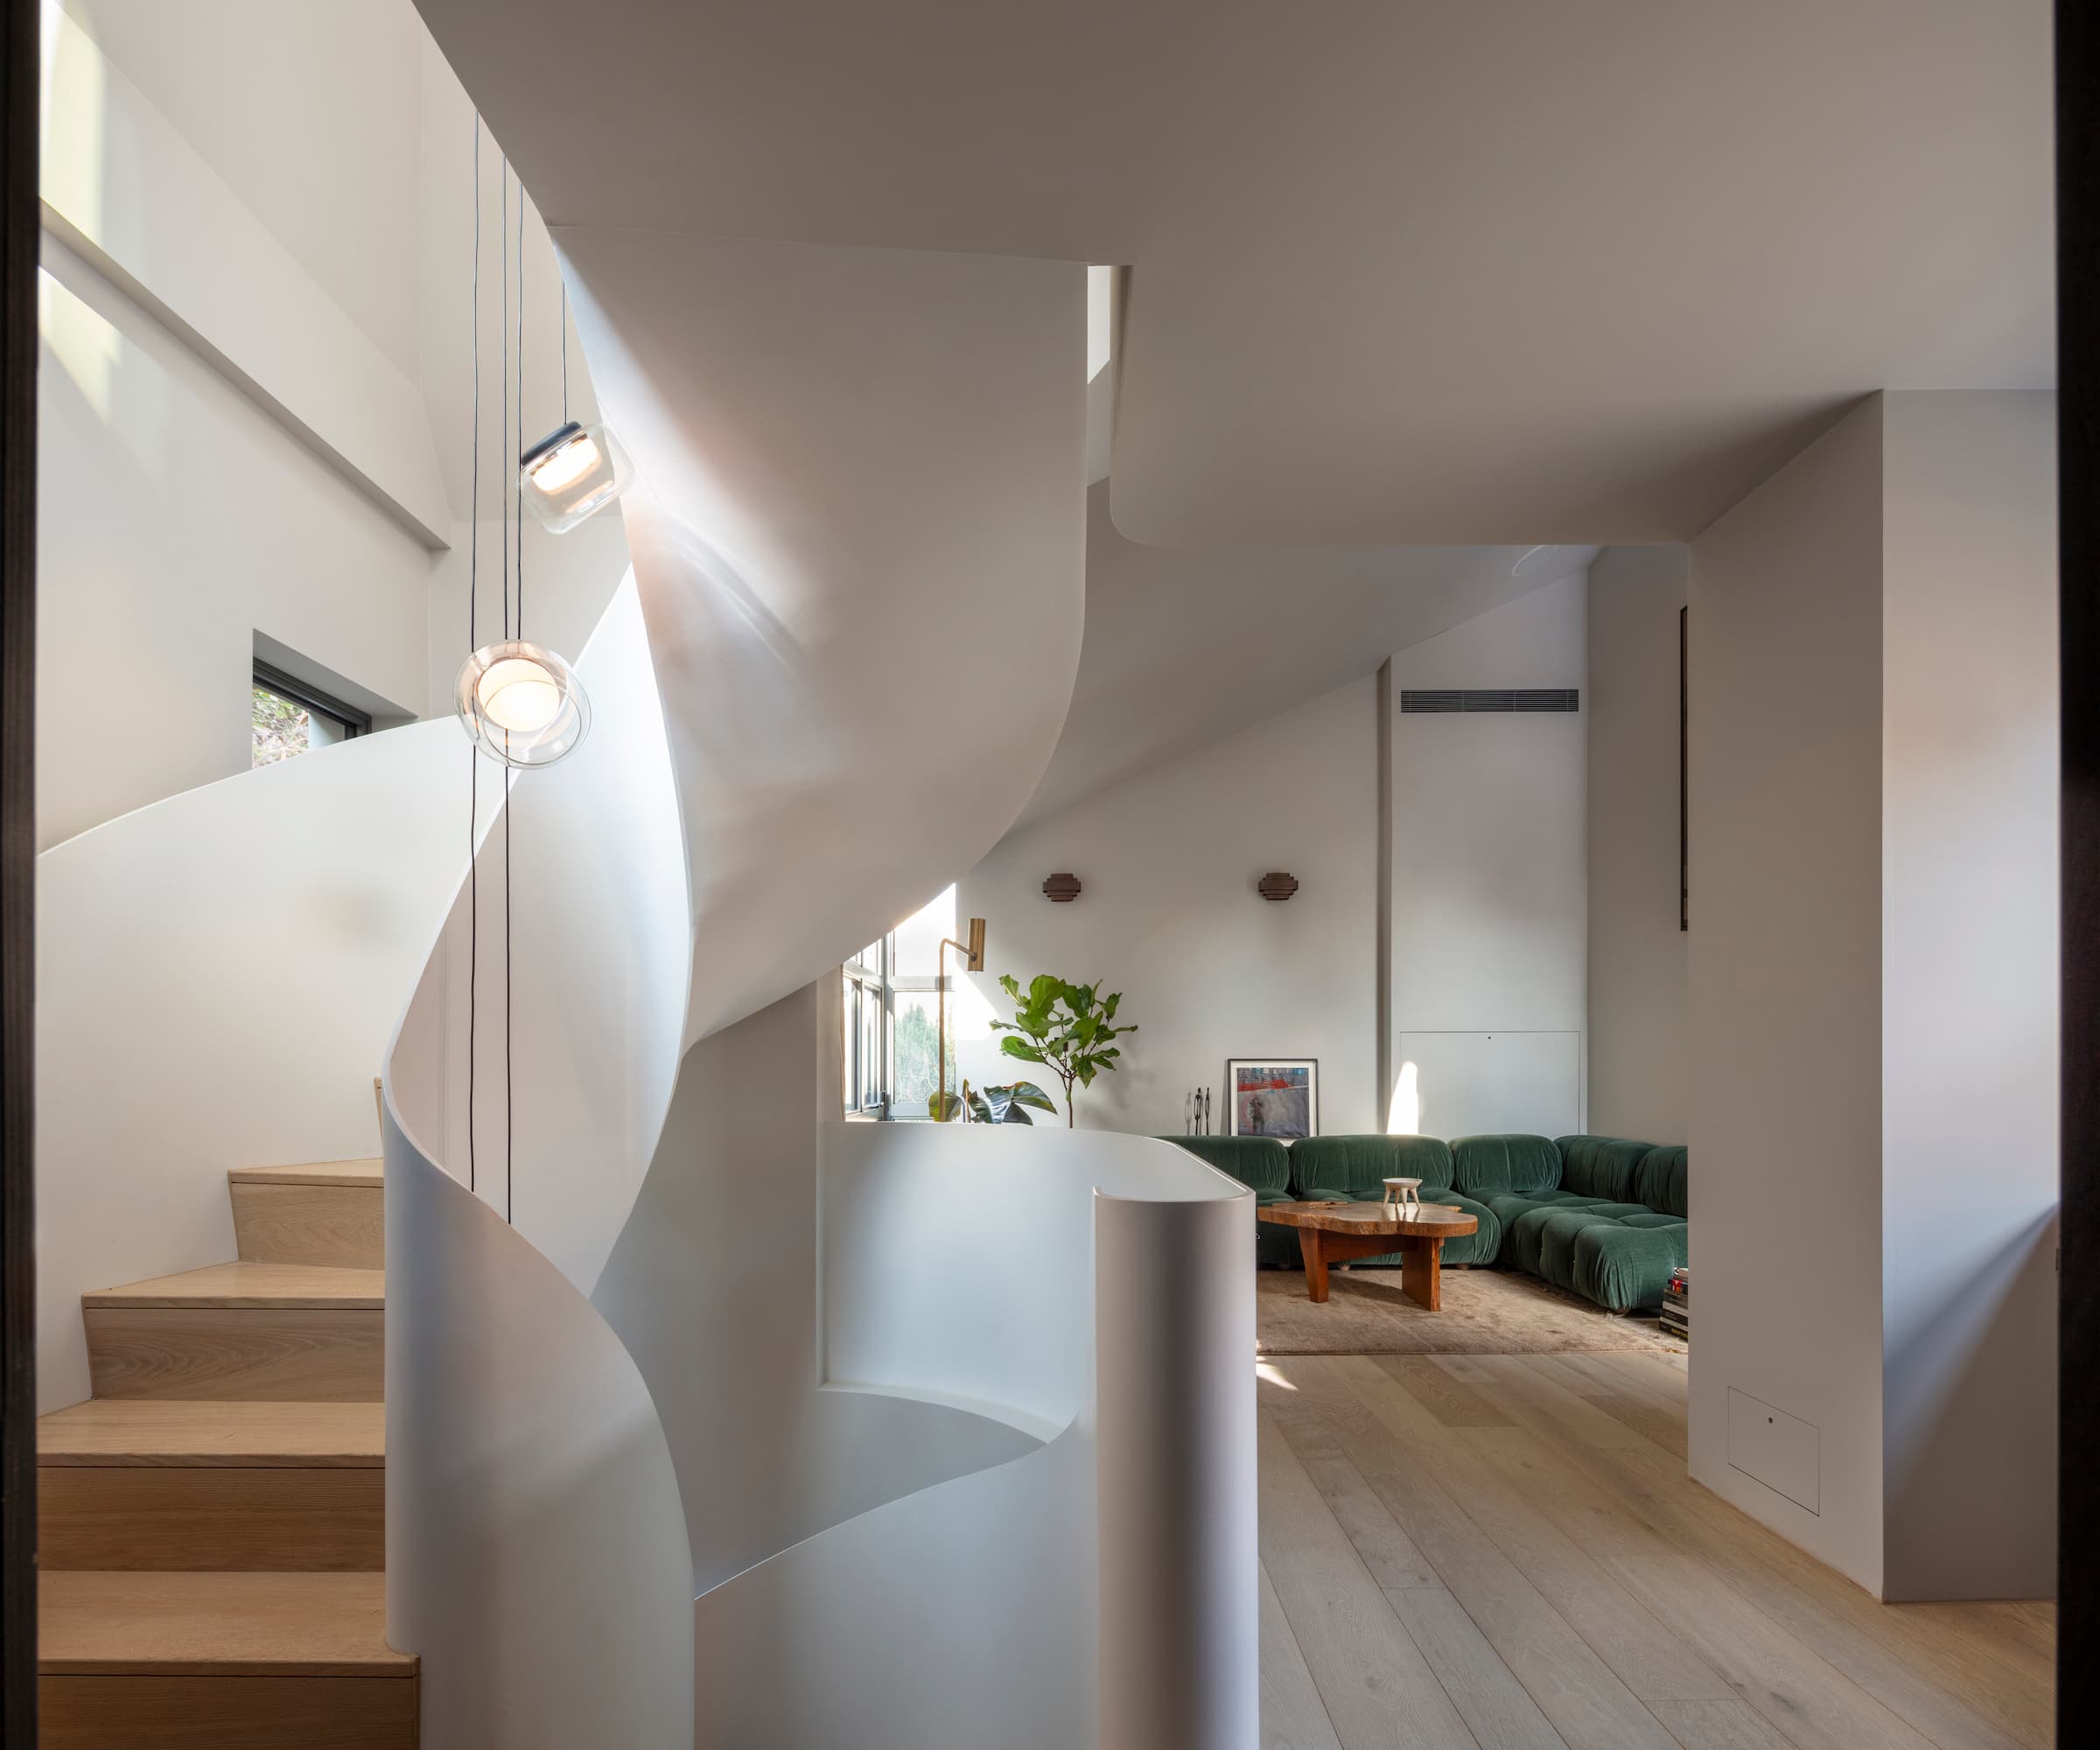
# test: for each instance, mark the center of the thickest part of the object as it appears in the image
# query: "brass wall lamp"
(973, 961)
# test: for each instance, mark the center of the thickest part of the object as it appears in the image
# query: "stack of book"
(1677, 1305)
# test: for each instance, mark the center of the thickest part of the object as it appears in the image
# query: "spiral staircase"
(709, 1418)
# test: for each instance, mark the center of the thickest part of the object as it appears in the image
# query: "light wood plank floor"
(1504, 1552)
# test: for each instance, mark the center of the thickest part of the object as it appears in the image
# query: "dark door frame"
(2078, 376)
(19, 228)
(2078, 464)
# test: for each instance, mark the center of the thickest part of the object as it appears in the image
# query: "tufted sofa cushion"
(1660, 1183)
(1484, 1165)
(1608, 1225)
(1600, 1166)
(1625, 1266)
(1356, 1167)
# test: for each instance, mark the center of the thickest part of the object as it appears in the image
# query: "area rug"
(1486, 1313)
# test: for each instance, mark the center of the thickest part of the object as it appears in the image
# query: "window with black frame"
(287, 717)
(868, 1030)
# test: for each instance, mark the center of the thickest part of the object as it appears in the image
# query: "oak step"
(294, 1486)
(212, 1518)
(233, 1662)
(216, 1624)
(226, 1713)
(274, 1332)
(369, 1173)
(147, 1430)
(332, 1214)
(248, 1285)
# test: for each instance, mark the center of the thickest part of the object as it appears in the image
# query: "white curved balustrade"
(535, 1546)
(1101, 1590)
(848, 649)
(217, 976)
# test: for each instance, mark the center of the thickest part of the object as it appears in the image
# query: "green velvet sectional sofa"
(1600, 1216)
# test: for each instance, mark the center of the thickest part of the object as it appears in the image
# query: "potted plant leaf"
(1007, 1105)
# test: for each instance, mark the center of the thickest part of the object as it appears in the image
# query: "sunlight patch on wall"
(1404, 1115)
(85, 344)
(72, 144)
(74, 135)
(1100, 319)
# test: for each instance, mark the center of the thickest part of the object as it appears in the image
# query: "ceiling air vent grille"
(1414, 700)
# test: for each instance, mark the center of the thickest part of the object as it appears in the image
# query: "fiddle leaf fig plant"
(1069, 1029)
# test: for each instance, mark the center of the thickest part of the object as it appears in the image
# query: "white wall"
(174, 520)
(1786, 981)
(1637, 952)
(309, 115)
(257, 400)
(1969, 918)
(1872, 998)
(1170, 917)
(1489, 914)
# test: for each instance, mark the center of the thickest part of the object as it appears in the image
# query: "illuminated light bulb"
(564, 467)
(520, 704)
(520, 696)
(573, 473)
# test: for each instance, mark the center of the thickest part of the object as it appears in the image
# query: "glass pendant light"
(520, 703)
(573, 473)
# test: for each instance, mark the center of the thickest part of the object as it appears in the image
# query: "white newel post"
(1180, 1652)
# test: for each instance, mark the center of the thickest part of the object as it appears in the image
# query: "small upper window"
(288, 717)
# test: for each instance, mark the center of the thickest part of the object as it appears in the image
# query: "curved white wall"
(857, 567)
(1103, 1281)
(597, 899)
(1100, 1589)
(714, 1287)
(860, 546)
(216, 977)
(534, 1559)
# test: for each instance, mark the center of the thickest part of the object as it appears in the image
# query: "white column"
(1872, 997)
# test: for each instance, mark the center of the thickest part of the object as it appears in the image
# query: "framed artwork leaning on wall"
(1272, 1096)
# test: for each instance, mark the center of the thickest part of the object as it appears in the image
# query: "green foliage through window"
(280, 729)
(918, 1067)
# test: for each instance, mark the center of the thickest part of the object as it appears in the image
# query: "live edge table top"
(1439, 1219)
(1333, 1233)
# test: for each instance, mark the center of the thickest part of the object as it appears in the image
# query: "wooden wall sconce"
(1276, 885)
(1061, 890)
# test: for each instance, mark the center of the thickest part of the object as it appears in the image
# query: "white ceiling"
(1185, 647)
(1402, 270)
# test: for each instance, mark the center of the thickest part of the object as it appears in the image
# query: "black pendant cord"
(564, 347)
(521, 430)
(503, 343)
(510, 789)
(474, 755)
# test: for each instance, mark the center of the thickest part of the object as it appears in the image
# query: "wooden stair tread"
(178, 1432)
(314, 1173)
(237, 1286)
(216, 1624)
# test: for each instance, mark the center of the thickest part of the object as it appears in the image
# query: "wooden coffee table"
(1334, 1233)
